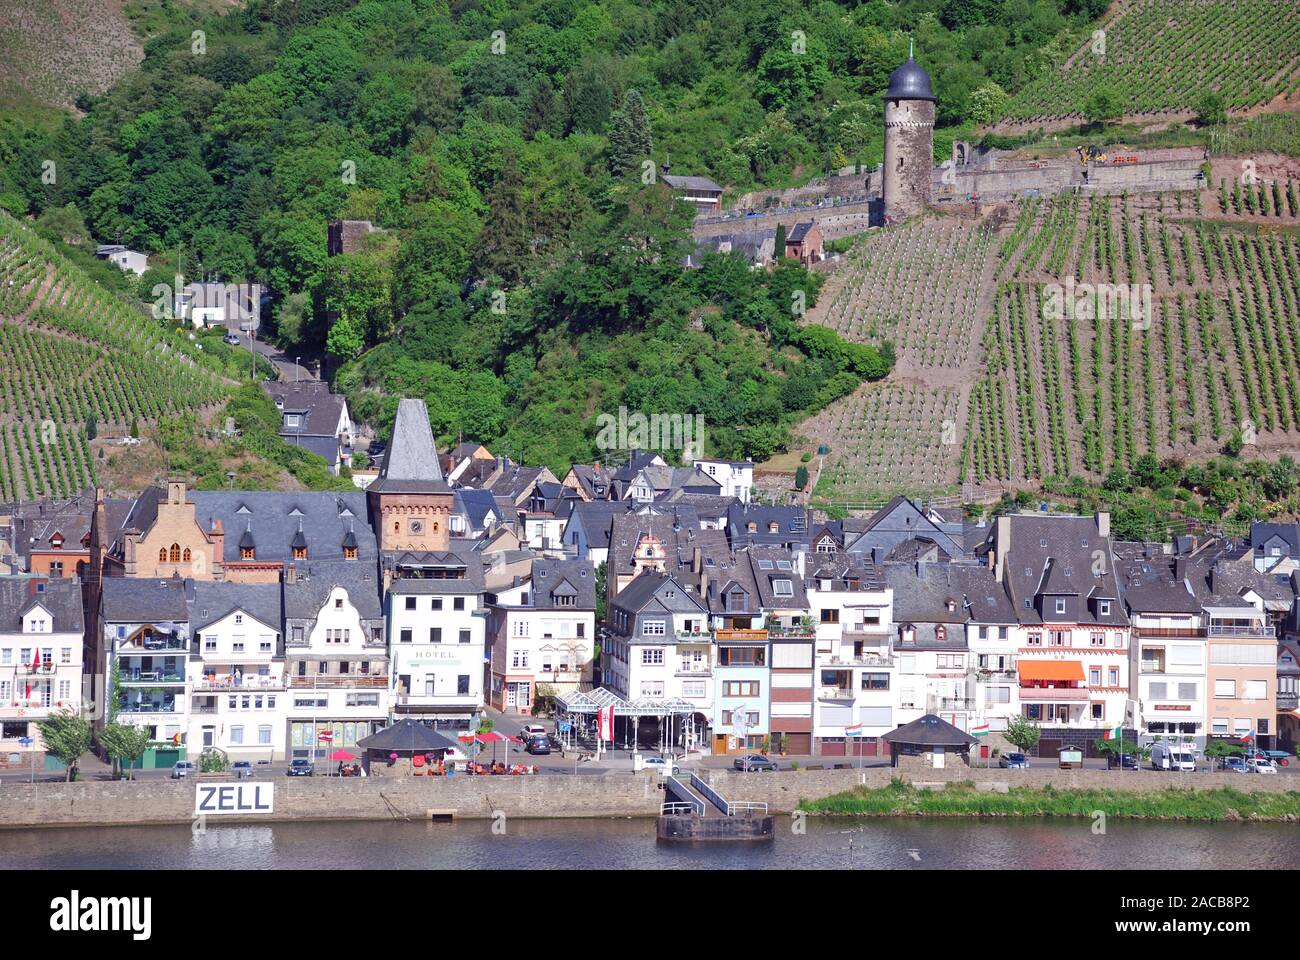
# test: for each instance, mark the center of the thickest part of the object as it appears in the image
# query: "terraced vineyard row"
(70, 353)
(1163, 54)
(916, 286)
(1194, 334)
(889, 437)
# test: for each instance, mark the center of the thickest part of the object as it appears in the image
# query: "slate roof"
(1261, 533)
(62, 598)
(792, 525)
(211, 600)
(475, 505)
(137, 600)
(591, 475)
(690, 183)
(910, 82)
(676, 526)
(897, 521)
(846, 571)
(1055, 556)
(304, 598)
(468, 561)
(576, 578)
(799, 231)
(34, 523)
(411, 459)
(1152, 584)
(274, 520)
(641, 590)
(321, 409)
(327, 448)
(928, 731)
(596, 518)
(769, 564)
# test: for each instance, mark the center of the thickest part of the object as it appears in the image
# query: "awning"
(1050, 670)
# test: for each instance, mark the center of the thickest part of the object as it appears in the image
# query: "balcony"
(857, 631)
(153, 644)
(862, 660)
(1287, 701)
(951, 703)
(1052, 694)
(1168, 632)
(835, 693)
(693, 670)
(995, 674)
(334, 682)
(807, 629)
(733, 633)
(1230, 630)
(150, 706)
(244, 684)
(151, 677)
(1152, 666)
(40, 670)
(686, 636)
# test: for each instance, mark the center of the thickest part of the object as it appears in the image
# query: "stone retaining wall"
(92, 803)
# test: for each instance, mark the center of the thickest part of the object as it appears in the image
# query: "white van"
(1166, 757)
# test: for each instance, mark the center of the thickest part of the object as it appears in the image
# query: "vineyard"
(1164, 54)
(70, 354)
(1084, 332)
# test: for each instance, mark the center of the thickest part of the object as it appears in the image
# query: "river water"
(827, 843)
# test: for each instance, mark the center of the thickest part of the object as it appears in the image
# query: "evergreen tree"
(629, 137)
(503, 243)
(539, 114)
(778, 248)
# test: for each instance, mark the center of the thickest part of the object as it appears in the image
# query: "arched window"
(186, 555)
(162, 554)
(176, 553)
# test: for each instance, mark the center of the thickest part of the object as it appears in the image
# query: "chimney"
(1001, 546)
(1180, 569)
(290, 573)
(1103, 524)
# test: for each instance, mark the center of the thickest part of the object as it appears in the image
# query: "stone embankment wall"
(98, 803)
(837, 221)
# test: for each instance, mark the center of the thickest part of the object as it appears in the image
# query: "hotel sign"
(1172, 706)
(233, 798)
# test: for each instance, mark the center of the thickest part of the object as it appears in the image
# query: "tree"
(800, 477)
(1210, 109)
(92, 431)
(540, 113)
(630, 144)
(66, 736)
(1023, 733)
(1103, 106)
(778, 246)
(503, 245)
(124, 744)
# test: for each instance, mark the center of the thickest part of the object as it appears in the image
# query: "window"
(652, 688)
(436, 603)
(410, 603)
(1256, 689)
(740, 688)
(458, 603)
(1103, 607)
(1113, 677)
(1035, 640)
(830, 616)
(782, 588)
(338, 603)
(1097, 711)
(1225, 689)
(462, 685)
(1159, 691)
(1187, 691)
(1097, 639)
(875, 681)
(405, 636)
(175, 553)
(435, 634)
(652, 656)
(464, 636)
(997, 695)
(653, 628)
(1094, 676)
(65, 655)
(236, 735)
(1060, 605)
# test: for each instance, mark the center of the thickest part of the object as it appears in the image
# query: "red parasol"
(341, 755)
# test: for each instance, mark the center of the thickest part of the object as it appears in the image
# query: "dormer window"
(292, 420)
(1060, 605)
(773, 527)
(245, 553)
(175, 553)
(752, 526)
(300, 553)
(1104, 608)
(349, 553)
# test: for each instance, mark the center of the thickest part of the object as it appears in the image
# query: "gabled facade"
(410, 502)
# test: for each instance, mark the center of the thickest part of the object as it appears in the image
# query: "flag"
(1115, 732)
(605, 723)
(326, 735)
(980, 730)
(36, 661)
(1250, 735)
(854, 731)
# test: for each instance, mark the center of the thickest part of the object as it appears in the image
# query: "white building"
(236, 676)
(436, 621)
(336, 657)
(857, 676)
(123, 258)
(543, 635)
(41, 629)
(735, 477)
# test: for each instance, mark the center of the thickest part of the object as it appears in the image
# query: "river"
(827, 843)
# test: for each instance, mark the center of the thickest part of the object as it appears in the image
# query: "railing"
(864, 630)
(695, 804)
(955, 703)
(1052, 694)
(866, 660)
(704, 636)
(319, 681)
(255, 684)
(747, 807)
(991, 674)
(835, 693)
(1152, 666)
(1288, 699)
(702, 671)
(147, 677)
(44, 670)
(1222, 630)
(674, 809)
(1168, 631)
(175, 643)
(735, 633)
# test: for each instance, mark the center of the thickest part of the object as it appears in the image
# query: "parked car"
(182, 769)
(527, 733)
(538, 746)
(241, 769)
(1125, 761)
(1234, 765)
(1014, 761)
(232, 339)
(755, 761)
(300, 767)
(1261, 765)
(663, 765)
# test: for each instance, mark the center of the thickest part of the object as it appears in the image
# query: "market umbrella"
(342, 755)
(492, 737)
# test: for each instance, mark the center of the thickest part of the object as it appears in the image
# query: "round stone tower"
(909, 141)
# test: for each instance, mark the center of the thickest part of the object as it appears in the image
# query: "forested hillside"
(526, 277)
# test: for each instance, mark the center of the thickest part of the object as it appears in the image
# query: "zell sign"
(233, 798)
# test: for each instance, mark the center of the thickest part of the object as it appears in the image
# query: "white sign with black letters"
(214, 799)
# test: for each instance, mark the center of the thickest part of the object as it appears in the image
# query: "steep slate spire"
(411, 463)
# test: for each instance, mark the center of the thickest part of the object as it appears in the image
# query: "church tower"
(410, 502)
(909, 141)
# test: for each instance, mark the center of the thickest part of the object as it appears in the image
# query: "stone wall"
(91, 803)
(838, 221)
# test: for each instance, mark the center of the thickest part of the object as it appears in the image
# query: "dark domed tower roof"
(910, 82)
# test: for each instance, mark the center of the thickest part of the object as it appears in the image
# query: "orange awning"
(1050, 670)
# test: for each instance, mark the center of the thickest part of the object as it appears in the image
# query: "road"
(285, 365)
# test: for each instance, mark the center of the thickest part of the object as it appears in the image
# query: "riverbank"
(969, 799)
(552, 796)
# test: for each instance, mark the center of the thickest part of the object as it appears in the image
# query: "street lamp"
(295, 369)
